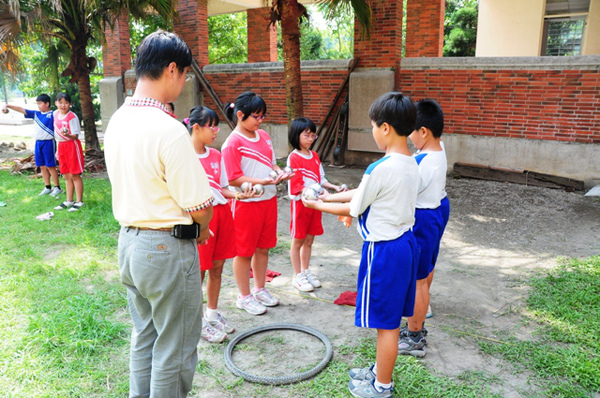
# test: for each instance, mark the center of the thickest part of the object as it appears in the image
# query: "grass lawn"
(65, 325)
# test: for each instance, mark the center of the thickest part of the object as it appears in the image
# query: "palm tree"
(75, 23)
(290, 14)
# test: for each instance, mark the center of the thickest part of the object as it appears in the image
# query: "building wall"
(591, 40)
(509, 28)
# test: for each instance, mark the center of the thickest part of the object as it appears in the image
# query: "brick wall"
(320, 87)
(116, 51)
(383, 49)
(192, 27)
(262, 43)
(425, 28)
(559, 105)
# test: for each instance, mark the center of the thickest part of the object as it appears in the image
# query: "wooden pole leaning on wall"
(213, 95)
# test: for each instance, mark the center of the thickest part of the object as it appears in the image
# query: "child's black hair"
(62, 95)
(172, 105)
(430, 116)
(202, 116)
(297, 126)
(44, 98)
(248, 102)
(395, 109)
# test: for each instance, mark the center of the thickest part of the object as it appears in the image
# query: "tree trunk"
(290, 34)
(79, 70)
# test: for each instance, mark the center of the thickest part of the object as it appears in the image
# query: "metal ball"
(288, 170)
(258, 189)
(310, 194)
(246, 186)
(344, 187)
(317, 188)
(273, 175)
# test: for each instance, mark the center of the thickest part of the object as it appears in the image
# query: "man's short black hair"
(43, 98)
(430, 115)
(157, 51)
(395, 109)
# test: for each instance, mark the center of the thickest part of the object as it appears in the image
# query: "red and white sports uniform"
(70, 152)
(255, 219)
(308, 170)
(221, 245)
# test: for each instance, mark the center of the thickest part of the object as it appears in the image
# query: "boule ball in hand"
(343, 187)
(246, 186)
(310, 194)
(273, 175)
(288, 170)
(317, 188)
(258, 189)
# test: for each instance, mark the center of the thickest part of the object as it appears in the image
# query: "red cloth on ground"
(270, 275)
(346, 298)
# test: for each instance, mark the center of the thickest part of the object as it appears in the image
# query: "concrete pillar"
(425, 28)
(262, 39)
(383, 49)
(192, 27)
(116, 51)
(112, 97)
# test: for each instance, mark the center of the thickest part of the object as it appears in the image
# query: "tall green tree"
(76, 23)
(460, 28)
(290, 14)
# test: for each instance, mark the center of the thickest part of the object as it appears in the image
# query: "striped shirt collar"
(146, 101)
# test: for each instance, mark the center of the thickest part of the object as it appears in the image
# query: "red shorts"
(255, 226)
(304, 221)
(221, 246)
(70, 157)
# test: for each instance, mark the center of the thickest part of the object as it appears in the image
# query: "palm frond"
(362, 11)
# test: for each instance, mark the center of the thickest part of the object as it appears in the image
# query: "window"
(563, 36)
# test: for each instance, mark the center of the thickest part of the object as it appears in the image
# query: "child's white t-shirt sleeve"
(75, 126)
(363, 197)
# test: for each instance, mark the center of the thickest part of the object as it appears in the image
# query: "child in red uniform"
(305, 223)
(70, 154)
(203, 125)
(249, 157)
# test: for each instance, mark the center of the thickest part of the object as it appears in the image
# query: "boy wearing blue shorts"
(45, 146)
(431, 217)
(384, 203)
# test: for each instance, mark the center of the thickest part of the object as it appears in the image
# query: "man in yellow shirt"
(162, 199)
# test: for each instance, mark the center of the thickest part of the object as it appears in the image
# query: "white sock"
(380, 386)
(374, 370)
(300, 274)
(211, 314)
(306, 272)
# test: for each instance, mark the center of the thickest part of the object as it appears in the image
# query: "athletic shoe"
(76, 206)
(221, 324)
(429, 313)
(64, 205)
(366, 389)
(312, 279)
(361, 374)
(45, 191)
(250, 305)
(265, 298)
(56, 191)
(406, 346)
(404, 331)
(211, 334)
(300, 282)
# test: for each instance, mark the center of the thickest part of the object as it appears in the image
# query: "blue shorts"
(429, 228)
(386, 282)
(45, 153)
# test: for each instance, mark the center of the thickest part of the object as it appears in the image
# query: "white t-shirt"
(156, 178)
(385, 200)
(432, 178)
(215, 171)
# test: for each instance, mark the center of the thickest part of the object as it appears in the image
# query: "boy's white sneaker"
(300, 282)
(56, 191)
(45, 191)
(265, 298)
(312, 279)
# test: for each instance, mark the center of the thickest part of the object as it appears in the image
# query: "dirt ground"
(498, 234)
